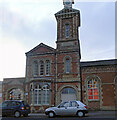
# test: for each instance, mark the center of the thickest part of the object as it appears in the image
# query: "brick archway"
(15, 94)
(58, 99)
(67, 94)
(15, 90)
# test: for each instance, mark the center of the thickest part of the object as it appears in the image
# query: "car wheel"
(25, 115)
(51, 114)
(80, 113)
(17, 114)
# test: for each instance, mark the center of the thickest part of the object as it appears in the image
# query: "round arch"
(67, 94)
(16, 93)
(72, 87)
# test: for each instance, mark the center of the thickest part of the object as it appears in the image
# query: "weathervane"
(68, 3)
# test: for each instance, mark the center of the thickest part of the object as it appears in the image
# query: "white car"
(67, 108)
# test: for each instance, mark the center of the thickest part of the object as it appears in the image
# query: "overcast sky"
(26, 23)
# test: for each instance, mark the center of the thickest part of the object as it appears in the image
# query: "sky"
(26, 23)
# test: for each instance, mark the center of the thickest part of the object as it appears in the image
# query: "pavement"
(37, 114)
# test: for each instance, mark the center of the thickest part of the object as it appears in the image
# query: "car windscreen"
(5, 104)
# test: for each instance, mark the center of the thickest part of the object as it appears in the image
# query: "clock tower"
(68, 53)
(68, 23)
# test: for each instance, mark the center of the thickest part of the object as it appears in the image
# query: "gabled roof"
(67, 11)
(98, 63)
(38, 48)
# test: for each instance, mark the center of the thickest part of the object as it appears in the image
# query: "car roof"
(15, 100)
(79, 102)
(73, 101)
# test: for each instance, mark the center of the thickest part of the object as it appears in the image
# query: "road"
(95, 115)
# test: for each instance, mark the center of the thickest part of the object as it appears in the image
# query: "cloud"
(26, 23)
(12, 61)
(20, 31)
(97, 33)
(52, 1)
(95, 0)
(17, 22)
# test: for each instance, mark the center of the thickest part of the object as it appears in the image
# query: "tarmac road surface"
(93, 115)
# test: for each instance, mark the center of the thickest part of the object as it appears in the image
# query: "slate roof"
(99, 63)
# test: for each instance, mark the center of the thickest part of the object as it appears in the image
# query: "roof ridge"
(40, 45)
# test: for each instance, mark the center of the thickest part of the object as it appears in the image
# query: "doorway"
(68, 94)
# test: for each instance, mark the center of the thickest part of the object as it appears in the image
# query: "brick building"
(55, 75)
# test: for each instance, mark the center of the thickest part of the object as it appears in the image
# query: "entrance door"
(68, 94)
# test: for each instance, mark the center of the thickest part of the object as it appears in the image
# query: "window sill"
(93, 100)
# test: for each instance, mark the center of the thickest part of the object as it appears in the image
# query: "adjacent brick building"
(55, 75)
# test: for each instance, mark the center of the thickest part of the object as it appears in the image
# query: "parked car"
(67, 108)
(15, 108)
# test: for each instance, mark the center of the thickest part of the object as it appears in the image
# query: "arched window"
(47, 67)
(68, 91)
(93, 89)
(37, 94)
(35, 68)
(16, 94)
(67, 65)
(41, 94)
(41, 68)
(46, 94)
(67, 30)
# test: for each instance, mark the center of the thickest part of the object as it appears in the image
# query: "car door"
(73, 107)
(5, 108)
(10, 107)
(62, 109)
(2, 107)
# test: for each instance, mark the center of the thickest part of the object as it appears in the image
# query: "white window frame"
(35, 68)
(38, 89)
(47, 95)
(47, 67)
(41, 68)
(67, 65)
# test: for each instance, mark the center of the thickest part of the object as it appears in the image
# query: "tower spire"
(68, 3)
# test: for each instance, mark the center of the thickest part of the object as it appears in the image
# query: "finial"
(68, 3)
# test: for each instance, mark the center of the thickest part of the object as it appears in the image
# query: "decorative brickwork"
(99, 69)
(44, 83)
